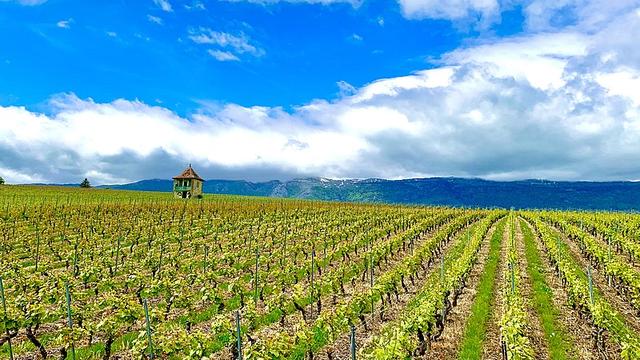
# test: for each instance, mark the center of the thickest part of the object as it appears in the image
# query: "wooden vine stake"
(37, 247)
(353, 342)
(148, 324)
(590, 284)
(75, 260)
(160, 261)
(206, 256)
(609, 259)
(117, 253)
(513, 278)
(371, 281)
(4, 308)
(511, 226)
(255, 279)
(411, 246)
(313, 266)
(69, 320)
(443, 311)
(239, 335)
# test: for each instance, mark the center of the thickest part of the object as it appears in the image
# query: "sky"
(119, 91)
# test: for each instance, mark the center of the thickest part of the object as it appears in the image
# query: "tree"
(85, 183)
(1, 181)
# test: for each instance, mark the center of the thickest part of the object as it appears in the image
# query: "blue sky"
(119, 91)
(136, 50)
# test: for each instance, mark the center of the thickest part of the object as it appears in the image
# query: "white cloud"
(354, 3)
(540, 15)
(623, 82)
(223, 55)
(155, 19)
(17, 177)
(196, 5)
(111, 34)
(345, 88)
(27, 2)
(90, 133)
(560, 105)
(395, 86)
(450, 9)
(372, 120)
(165, 5)
(142, 37)
(240, 43)
(64, 24)
(235, 44)
(355, 37)
(463, 118)
(587, 14)
(540, 59)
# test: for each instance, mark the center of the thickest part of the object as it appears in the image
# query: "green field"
(307, 279)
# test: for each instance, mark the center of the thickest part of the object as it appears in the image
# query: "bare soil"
(610, 293)
(576, 325)
(447, 346)
(340, 348)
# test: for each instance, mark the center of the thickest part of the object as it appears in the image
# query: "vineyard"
(102, 274)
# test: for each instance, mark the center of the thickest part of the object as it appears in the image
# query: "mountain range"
(460, 192)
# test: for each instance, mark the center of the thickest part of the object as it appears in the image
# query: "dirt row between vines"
(575, 325)
(340, 348)
(621, 253)
(293, 319)
(535, 332)
(448, 344)
(618, 302)
(491, 346)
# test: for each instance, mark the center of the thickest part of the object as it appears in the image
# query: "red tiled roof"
(188, 173)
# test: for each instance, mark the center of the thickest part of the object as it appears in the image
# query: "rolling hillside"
(432, 191)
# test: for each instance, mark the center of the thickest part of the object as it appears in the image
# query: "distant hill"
(432, 191)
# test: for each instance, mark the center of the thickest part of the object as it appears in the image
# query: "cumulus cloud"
(345, 89)
(89, 136)
(540, 15)
(450, 9)
(540, 59)
(587, 14)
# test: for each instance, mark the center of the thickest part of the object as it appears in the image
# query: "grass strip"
(543, 298)
(476, 327)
